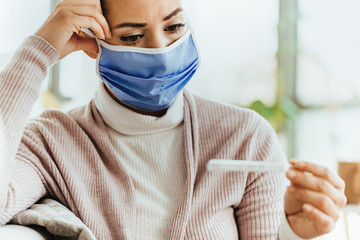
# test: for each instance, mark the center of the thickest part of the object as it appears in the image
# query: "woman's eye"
(175, 27)
(131, 39)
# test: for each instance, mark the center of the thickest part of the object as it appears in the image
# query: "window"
(15, 26)
(328, 86)
(238, 43)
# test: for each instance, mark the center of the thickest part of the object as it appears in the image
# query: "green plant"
(278, 114)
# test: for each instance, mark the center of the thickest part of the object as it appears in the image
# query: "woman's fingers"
(92, 11)
(323, 223)
(314, 196)
(321, 172)
(319, 200)
(87, 22)
(88, 45)
(80, 3)
(317, 184)
(62, 28)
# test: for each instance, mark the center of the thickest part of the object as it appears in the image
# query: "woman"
(131, 164)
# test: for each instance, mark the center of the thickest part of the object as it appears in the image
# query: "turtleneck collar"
(127, 122)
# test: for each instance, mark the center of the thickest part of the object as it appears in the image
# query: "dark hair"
(103, 7)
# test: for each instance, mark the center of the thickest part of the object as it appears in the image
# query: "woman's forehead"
(140, 8)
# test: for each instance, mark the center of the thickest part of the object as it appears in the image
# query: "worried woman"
(132, 163)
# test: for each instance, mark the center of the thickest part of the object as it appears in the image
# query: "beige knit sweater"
(70, 157)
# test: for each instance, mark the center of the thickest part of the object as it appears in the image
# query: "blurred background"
(296, 62)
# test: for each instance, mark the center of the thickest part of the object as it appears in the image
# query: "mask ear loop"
(88, 32)
(193, 37)
(91, 34)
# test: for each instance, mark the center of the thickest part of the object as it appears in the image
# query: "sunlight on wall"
(238, 44)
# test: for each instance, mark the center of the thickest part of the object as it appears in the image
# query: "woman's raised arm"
(20, 81)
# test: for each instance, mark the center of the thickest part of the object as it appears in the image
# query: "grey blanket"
(57, 219)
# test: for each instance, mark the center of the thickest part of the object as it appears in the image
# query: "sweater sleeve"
(258, 214)
(20, 81)
(285, 231)
(261, 214)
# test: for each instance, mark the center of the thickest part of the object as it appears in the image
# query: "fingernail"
(291, 189)
(307, 207)
(291, 173)
(301, 164)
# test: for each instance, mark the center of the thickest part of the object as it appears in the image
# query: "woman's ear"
(90, 54)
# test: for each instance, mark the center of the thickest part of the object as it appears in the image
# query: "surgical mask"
(148, 78)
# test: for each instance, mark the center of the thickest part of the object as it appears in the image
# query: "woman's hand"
(314, 199)
(62, 28)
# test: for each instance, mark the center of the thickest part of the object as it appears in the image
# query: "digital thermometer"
(246, 166)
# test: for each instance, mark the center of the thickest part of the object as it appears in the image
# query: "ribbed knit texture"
(20, 81)
(151, 150)
(70, 157)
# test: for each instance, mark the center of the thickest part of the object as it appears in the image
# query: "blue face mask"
(148, 78)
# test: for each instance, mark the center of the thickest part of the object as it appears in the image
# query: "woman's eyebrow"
(141, 25)
(173, 14)
(132, 25)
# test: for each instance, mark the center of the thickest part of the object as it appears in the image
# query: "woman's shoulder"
(215, 112)
(238, 128)
(55, 119)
